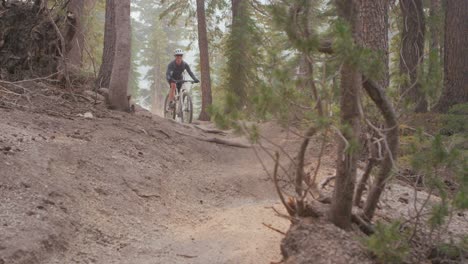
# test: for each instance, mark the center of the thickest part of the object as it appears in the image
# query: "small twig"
(62, 55)
(186, 256)
(274, 229)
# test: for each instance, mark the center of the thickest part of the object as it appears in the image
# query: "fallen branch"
(185, 256)
(211, 131)
(217, 141)
(274, 229)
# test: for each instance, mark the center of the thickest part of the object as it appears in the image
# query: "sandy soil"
(135, 188)
(124, 188)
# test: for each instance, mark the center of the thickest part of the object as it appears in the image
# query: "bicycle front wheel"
(187, 109)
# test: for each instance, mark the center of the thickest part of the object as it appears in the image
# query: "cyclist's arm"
(170, 69)
(187, 68)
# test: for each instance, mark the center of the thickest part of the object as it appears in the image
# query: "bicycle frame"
(181, 107)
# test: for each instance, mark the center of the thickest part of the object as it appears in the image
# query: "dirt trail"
(129, 189)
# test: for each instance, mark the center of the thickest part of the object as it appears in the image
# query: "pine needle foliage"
(241, 52)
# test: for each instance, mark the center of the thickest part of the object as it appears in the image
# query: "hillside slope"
(122, 188)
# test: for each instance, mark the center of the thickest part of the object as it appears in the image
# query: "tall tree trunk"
(105, 70)
(412, 52)
(237, 54)
(455, 56)
(374, 30)
(348, 152)
(122, 57)
(434, 27)
(158, 95)
(235, 9)
(75, 54)
(204, 62)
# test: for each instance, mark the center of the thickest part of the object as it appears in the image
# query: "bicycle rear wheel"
(187, 109)
(168, 113)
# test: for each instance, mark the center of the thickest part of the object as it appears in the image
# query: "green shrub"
(388, 243)
(455, 121)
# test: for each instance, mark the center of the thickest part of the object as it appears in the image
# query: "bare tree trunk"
(362, 183)
(374, 30)
(75, 54)
(204, 62)
(377, 94)
(434, 12)
(455, 56)
(235, 9)
(105, 71)
(348, 152)
(412, 52)
(122, 58)
(158, 95)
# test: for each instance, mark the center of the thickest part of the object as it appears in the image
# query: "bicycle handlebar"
(184, 81)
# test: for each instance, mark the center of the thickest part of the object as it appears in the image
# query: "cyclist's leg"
(179, 86)
(172, 92)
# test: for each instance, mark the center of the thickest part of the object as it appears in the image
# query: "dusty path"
(129, 189)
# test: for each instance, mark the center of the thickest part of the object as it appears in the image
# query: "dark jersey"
(174, 71)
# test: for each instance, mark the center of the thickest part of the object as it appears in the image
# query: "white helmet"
(178, 52)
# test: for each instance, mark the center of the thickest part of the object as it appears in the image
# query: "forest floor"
(129, 188)
(137, 188)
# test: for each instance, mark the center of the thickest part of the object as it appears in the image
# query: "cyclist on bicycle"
(174, 74)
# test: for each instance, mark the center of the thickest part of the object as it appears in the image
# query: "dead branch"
(211, 131)
(217, 141)
(274, 229)
(62, 50)
(186, 256)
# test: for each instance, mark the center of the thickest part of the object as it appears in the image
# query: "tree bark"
(235, 9)
(75, 54)
(348, 152)
(122, 57)
(374, 30)
(412, 52)
(204, 62)
(105, 70)
(455, 56)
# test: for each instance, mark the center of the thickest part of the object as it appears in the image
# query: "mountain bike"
(183, 108)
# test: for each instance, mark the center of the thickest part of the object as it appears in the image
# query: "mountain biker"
(174, 74)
